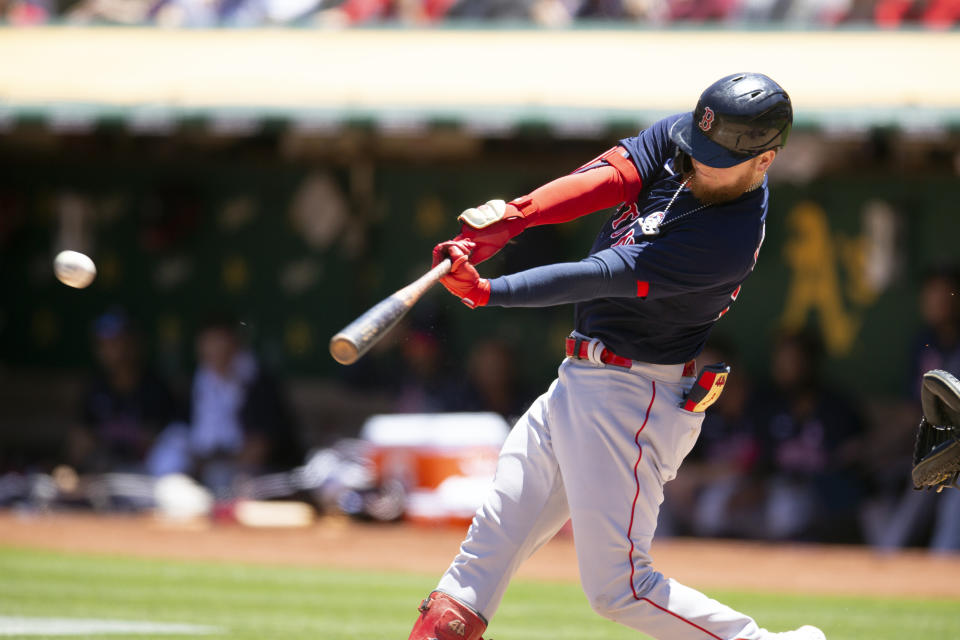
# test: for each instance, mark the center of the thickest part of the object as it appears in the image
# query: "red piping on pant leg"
(678, 617)
(636, 497)
(636, 479)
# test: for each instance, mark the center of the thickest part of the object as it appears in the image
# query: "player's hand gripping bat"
(360, 335)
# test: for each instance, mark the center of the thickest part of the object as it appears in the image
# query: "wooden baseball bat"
(356, 338)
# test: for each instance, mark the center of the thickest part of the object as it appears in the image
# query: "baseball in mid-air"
(74, 269)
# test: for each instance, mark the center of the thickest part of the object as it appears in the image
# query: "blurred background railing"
(937, 14)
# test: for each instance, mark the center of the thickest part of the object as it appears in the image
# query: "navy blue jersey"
(653, 298)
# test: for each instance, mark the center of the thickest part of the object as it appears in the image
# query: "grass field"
(292, 603)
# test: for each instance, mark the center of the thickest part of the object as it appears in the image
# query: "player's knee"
(443, 618)
(608, 601)
(602, 605)
(612, 598)
(610, 604)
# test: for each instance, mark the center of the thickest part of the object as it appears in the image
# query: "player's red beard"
(718, 195)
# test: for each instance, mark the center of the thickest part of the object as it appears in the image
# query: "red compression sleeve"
(583, 192)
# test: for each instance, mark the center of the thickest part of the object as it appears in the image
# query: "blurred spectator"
(360, 11)
(922, 514)
(377, 370)
(941, 14)
(492, 383)
(115, 11)
(762, 10)
(24, 13)
(184, 13)
(409, 366)
(938, 345)
(822, 12)
(640, 10)
(240, 425)
(250, 13)
(125, 406)
(924, 517)
(425, 384)
(354, 12)
(937, 14)
(717, 493)
(701, 10)
(492, 9)
(861, 11)
(810, 449)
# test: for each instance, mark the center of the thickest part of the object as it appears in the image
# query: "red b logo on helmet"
(707, 120)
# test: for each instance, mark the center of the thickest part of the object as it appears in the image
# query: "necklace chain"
(656, 229)
(676, 193)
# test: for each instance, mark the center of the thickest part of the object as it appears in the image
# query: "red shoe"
(443, 618)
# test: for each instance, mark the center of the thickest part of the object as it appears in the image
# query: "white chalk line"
(20, 626)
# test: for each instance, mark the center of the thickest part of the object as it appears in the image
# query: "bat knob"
(343, 349)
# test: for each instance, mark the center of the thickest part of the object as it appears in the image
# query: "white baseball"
(74, 269)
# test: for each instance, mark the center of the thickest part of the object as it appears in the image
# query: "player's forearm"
(575, 195)
(561, 284)
(605, 181)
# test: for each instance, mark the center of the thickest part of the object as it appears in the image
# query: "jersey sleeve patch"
(643, 288)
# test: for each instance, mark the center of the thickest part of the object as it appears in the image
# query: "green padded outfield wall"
(297, 254)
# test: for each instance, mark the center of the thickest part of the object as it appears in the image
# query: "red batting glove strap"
(472, 290)
(490, 240)
(479, 296)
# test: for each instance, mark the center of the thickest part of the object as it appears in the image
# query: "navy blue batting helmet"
(737, 118)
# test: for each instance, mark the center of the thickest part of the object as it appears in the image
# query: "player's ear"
(765, 159)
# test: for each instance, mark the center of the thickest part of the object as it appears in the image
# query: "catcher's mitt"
(936, 454)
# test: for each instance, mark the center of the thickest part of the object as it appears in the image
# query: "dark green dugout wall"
(299, 248)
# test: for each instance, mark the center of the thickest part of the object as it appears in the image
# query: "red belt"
(579, 347)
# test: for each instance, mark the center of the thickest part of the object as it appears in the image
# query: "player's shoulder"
(651, 147)
(666, 123)
(659, 130)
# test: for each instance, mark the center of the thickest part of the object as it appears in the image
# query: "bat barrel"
(343, 349)
(359, 336)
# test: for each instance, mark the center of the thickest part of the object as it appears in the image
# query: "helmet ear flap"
(682, 162)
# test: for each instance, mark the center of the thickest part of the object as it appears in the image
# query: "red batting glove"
(491, 239)
(463, 280)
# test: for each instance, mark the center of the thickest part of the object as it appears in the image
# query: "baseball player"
(624, 411)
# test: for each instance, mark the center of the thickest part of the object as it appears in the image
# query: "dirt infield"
(334, 542)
